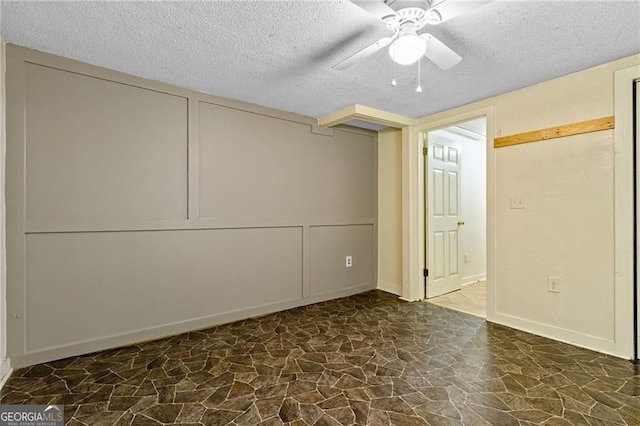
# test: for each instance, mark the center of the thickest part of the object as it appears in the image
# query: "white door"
(443, 194)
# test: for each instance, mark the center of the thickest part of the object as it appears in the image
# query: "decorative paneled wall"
(137, 210)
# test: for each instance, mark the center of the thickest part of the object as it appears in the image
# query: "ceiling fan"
(405, 18)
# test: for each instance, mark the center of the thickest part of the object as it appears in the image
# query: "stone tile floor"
(471, 299)
(369, 359)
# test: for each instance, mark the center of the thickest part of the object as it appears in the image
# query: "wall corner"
(5, 369)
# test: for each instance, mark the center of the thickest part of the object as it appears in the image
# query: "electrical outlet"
(348, 261)
(466, 258)
(553, 284)
(517, 202)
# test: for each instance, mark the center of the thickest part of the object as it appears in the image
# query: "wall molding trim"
(473, 279)
(94, 71)
(5, 371)
(560, 334)
(63, 227)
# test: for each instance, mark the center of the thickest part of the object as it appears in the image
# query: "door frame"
(636, 289)
(413, 196)
(424, 140)
(625, 219)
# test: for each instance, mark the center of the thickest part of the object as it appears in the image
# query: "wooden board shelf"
(599, 124)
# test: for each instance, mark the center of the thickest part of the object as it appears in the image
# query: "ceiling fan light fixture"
(407, 49)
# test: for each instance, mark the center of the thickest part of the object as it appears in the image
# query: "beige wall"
(390, 211)
(567, 228)
(138, 209)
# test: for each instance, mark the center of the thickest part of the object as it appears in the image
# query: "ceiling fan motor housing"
(414, 11)
(403, 4)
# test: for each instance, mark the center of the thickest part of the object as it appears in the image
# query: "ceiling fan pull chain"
(419, 88)
(394, 83)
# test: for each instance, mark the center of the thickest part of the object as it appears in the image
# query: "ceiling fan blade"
(375, 7)
(367, 51)
(451, 8)
(440, 53)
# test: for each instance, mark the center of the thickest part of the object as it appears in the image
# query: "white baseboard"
(571, 337)
(390, 287)
(137, 336)
(5, 371)
(474, 278)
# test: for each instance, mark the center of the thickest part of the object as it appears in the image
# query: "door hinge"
(425, 151)
(425, 272)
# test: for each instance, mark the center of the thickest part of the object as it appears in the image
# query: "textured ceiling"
(477, 126)
(279, 53)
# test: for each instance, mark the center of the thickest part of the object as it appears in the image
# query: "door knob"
(460, 222)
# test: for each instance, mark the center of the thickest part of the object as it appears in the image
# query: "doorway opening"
(455, 215)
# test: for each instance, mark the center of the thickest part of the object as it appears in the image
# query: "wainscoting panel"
(101, 150)
(87, 286)
(137, 209)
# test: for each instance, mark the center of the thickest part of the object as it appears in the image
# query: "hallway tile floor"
(471, 299)
(369, 359)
